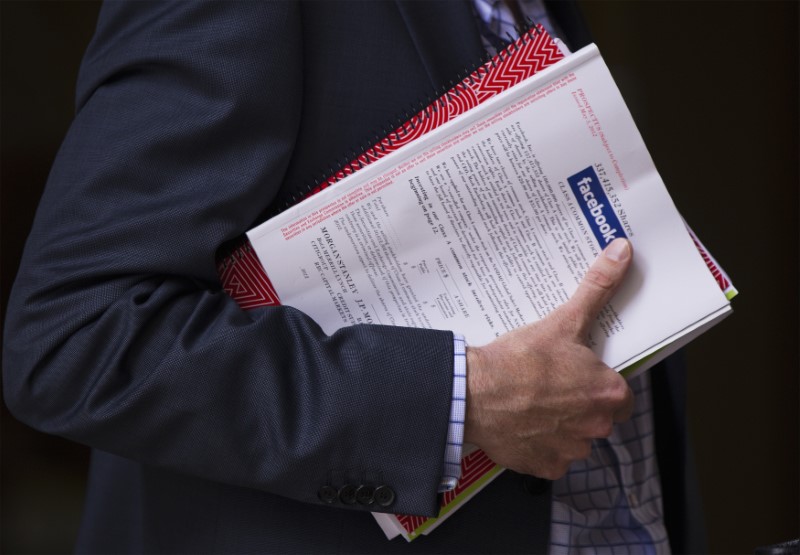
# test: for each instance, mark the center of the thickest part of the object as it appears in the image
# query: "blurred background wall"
(714, 89)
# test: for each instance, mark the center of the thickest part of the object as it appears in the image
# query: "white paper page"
(389, 525)
(476, 227)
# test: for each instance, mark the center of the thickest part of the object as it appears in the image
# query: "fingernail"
(618, 250)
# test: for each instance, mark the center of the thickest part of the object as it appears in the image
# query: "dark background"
(714, 89)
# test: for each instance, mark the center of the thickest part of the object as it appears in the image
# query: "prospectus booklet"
(489, 222)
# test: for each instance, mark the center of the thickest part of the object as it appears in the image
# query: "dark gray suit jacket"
(195, 122)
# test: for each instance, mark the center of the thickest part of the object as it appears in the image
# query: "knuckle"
(618, 391)
(555, 466)
(599, 425)
(554, 472)
(604, 428)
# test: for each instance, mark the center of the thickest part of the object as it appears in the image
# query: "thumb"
(598, 285)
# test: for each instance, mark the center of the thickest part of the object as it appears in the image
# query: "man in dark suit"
(216, 429)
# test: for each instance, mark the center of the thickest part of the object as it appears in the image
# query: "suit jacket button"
(365, 495)
(347, 494)
(384, 496)
(534, 485)
(327, 494)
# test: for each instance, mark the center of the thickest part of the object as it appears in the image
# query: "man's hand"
(538, 395)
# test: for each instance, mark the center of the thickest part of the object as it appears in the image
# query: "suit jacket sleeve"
(117, 333)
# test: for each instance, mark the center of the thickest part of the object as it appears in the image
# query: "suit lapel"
(445, 35)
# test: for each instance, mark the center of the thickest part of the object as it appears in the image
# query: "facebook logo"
(594, 203)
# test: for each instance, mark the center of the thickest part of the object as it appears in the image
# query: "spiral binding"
(373, 148)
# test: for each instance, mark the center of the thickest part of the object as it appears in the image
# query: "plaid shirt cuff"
(458, 406)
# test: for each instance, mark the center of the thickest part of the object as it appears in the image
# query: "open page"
(490, 221)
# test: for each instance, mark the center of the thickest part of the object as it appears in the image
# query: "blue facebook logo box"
(594, 203)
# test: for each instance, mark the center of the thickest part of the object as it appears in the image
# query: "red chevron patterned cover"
(477, 469)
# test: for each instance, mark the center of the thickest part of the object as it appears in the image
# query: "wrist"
(474, 356)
